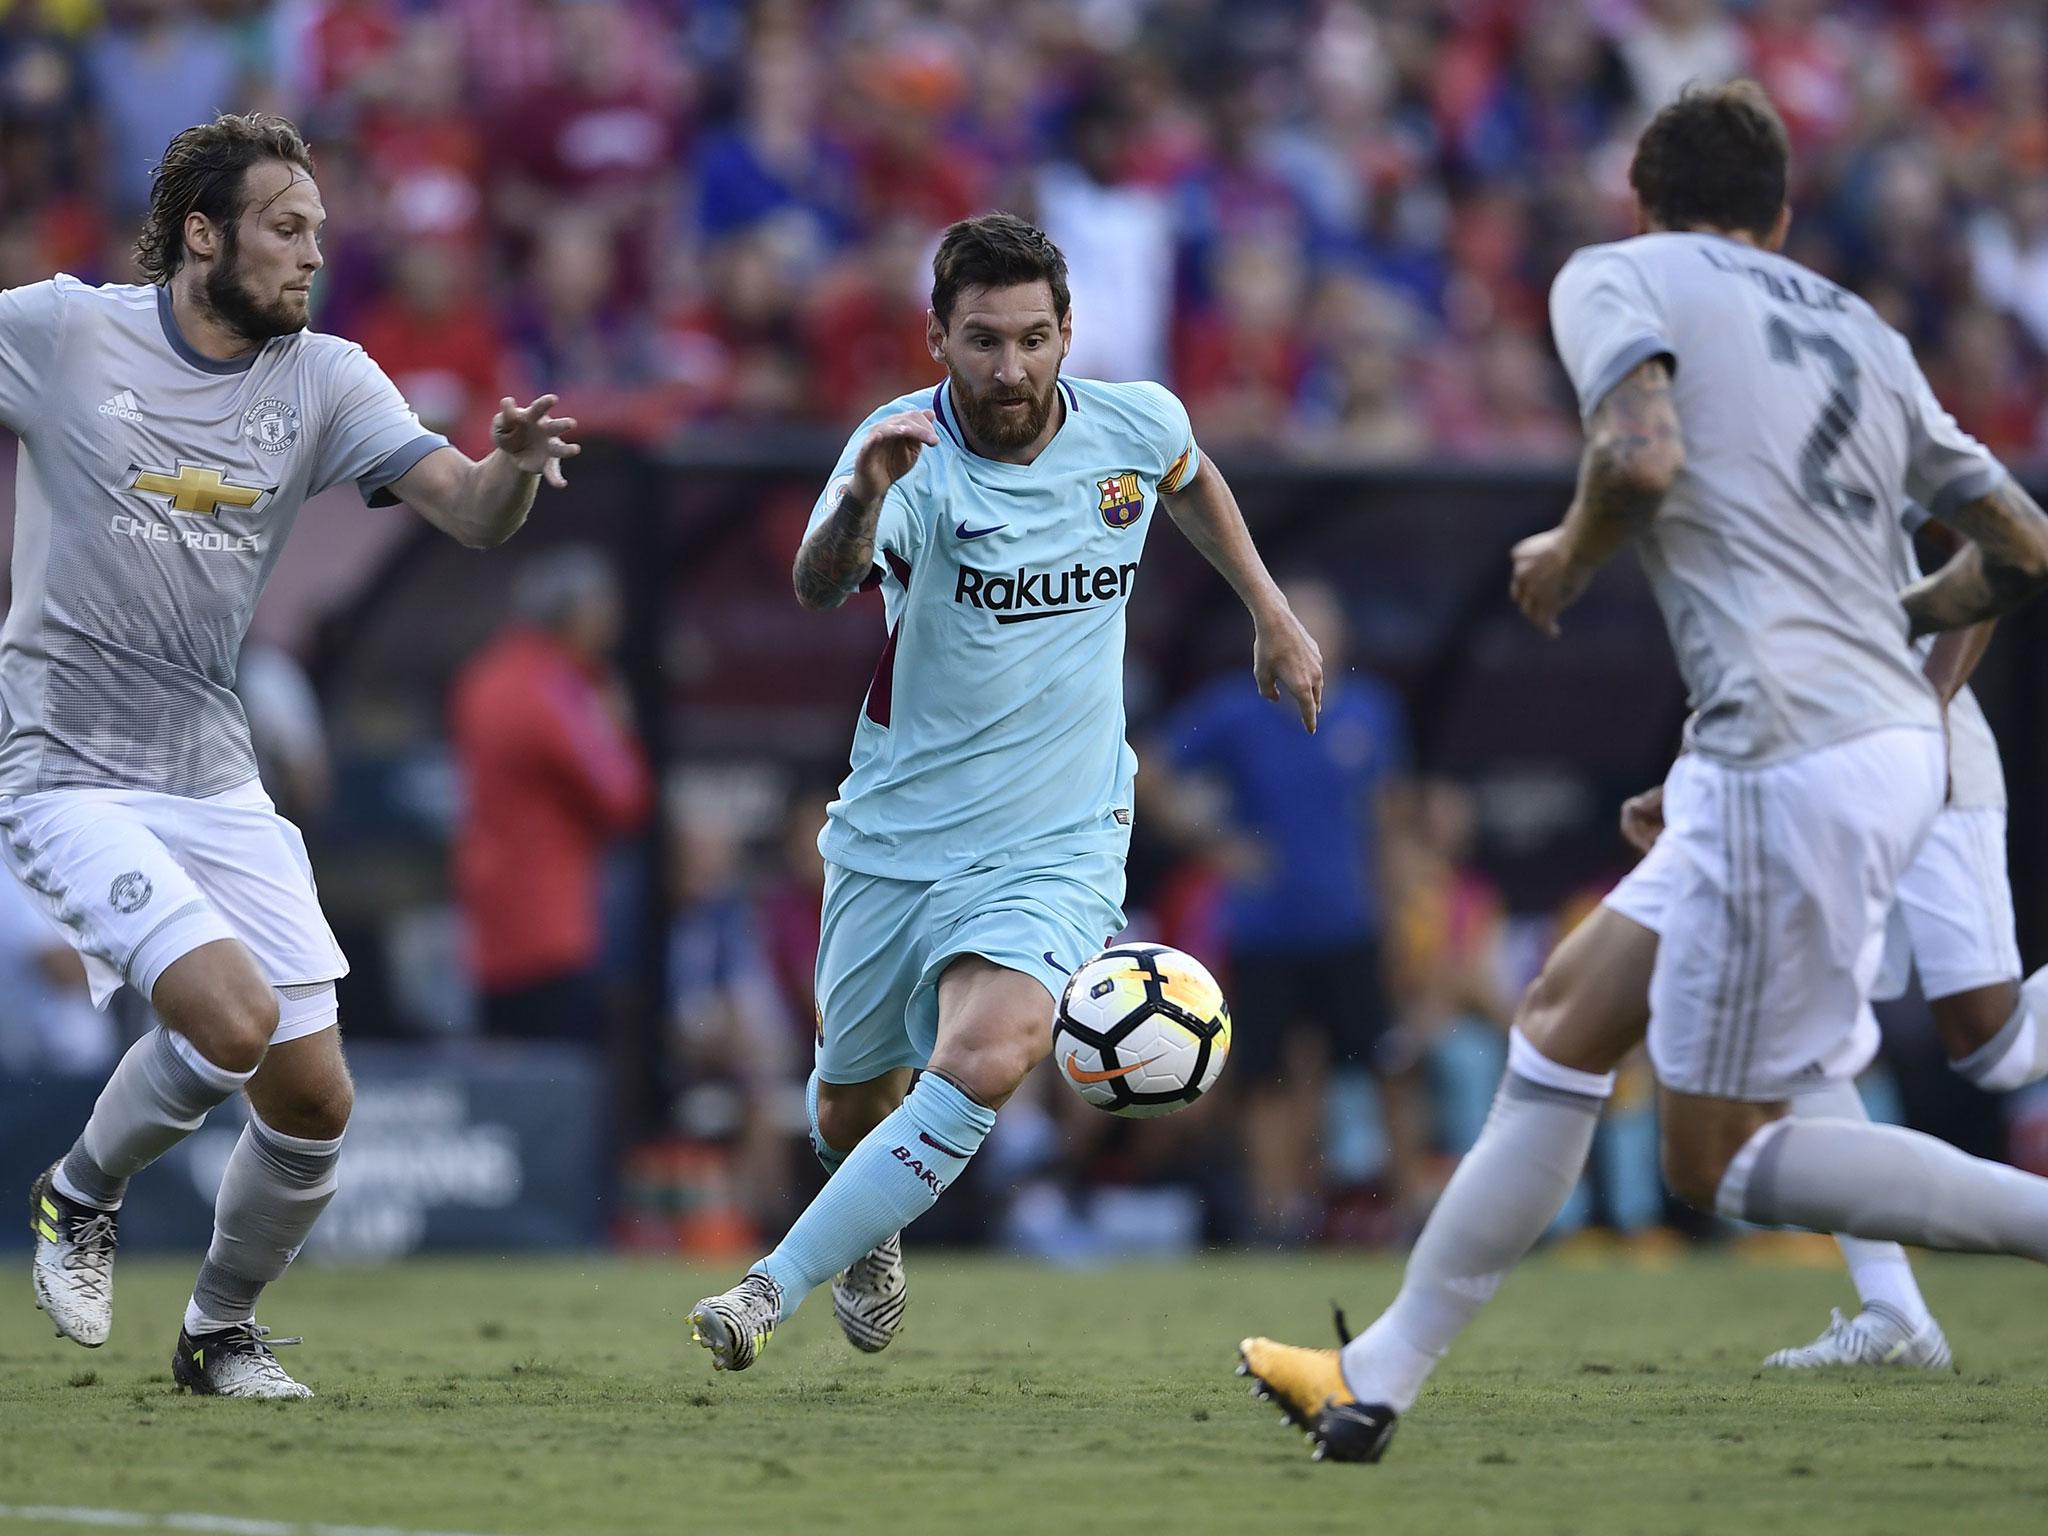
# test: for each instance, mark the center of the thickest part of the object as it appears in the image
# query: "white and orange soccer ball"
(1141, 1030)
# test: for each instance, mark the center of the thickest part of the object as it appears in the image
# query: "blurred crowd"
(1329, 224)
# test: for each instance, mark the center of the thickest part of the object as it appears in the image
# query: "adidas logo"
(123, 405)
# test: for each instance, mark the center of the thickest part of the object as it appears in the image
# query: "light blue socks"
(893, 1177)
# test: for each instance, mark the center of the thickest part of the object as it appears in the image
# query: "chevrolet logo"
(193, 489)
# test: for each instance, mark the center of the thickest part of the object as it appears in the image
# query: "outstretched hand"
(1285, 656)
(888, 452)
(533, 440)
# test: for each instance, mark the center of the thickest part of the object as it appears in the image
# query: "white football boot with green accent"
(74, 1262)
(1875, 1336)
(736, 1325)
(234, 1362)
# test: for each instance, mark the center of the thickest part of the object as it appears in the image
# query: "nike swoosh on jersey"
(962, 531)
(1110, 1074)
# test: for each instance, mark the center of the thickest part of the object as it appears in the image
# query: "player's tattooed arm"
(1284, 655)
(1633, 455)
(836, 556)
(2005, 564)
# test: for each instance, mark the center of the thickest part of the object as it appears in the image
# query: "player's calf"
(1701, 1137)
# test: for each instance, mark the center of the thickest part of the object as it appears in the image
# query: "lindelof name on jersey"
(1015, 597)
(1802, 289)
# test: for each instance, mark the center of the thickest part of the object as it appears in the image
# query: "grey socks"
(1878, 1181)
(1504, 1196)
(274, 1189)
(160, 1092)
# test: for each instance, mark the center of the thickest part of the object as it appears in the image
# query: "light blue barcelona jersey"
(995, 720)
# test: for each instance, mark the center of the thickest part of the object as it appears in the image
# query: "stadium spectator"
(48, 1024)
(438, 340)
(553, 775)
(732, 1050)
(286, 731)
(1117, 236)
(1305, 911)
(761, 184)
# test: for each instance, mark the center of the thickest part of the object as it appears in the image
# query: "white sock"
(1881, 1271)
(1880, 1181)
(1506, 1192)
(2018, 1054)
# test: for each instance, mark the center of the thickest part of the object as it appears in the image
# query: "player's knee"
(1542, 1008)
(318, 1111)
(232, 1028)
(1969, 1021)
(1690, 1173)
(994, 1062)
(846, 1113)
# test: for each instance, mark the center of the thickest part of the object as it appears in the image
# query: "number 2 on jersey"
(1837, 417)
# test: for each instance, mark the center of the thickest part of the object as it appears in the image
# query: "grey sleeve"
(1944, 464)
(31, 328)
(368, 433)
(1606, 322)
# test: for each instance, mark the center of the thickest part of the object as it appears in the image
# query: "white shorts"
(1779, 880)
(1953, 920)
(138, 879)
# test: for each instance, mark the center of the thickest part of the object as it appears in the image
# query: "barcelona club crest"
(1123, 502)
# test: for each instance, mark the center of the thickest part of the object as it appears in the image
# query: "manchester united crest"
(1123, 500)
(272, 425)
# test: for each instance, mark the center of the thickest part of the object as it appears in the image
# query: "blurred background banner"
(488, 1148)
(561, 798)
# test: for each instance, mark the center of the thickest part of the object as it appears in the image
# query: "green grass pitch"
(513, 1397)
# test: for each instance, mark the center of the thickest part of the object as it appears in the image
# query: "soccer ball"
(1141, 1030)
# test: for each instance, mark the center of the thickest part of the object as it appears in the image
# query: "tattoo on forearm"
(835, 560)
(1634, 432)
(2005, 564)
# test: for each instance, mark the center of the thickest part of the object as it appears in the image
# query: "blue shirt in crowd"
(1306, 801)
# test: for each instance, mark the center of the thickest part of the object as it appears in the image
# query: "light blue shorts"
(884, 943)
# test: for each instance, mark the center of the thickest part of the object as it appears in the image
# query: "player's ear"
(1775, 241)
(934, 336)
(202, 236)
(1066, 334)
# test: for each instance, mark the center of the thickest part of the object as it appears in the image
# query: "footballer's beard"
(236, 308)
(999, 428)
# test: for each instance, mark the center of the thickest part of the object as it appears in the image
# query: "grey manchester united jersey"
(154, 492)
(1778, 556)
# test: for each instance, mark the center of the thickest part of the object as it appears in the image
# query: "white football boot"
(74, 1262)
(869, 1295)
(1875, 1336)
(234, 1362)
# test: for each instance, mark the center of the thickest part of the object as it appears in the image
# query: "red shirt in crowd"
(552, 775)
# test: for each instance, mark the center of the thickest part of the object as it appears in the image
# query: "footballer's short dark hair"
(995, 250)
(202, 172)
(1718, 156)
